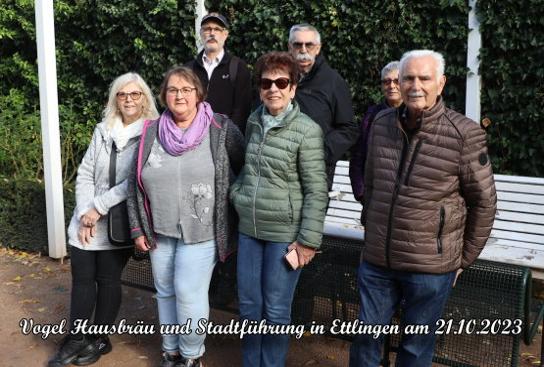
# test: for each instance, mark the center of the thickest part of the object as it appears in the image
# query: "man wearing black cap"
(225, 76)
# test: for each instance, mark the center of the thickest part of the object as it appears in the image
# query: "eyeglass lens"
(308, 45)
(134, 95)
(389, 81)
(184, 91)
(212, 29)
(281, 83)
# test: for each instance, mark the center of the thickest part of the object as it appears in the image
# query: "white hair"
(390, 67)
(440, 63)
(304, 27)
(149, 106)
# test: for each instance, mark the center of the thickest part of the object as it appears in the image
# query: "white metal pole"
(472, 98)
(47, 71)
(200, 13)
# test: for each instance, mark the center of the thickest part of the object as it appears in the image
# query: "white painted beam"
(472, 98)
(49, 113)
(200, 13)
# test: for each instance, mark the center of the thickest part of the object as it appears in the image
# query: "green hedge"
(358, 37)
(98, 40)
(23, 215)
(512, 83)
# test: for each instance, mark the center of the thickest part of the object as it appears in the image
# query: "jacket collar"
(256, 119)
(428, 116)
(224, 60)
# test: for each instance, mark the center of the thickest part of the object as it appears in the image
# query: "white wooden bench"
(518, 231)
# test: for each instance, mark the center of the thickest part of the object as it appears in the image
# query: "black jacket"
(325, 96)
(231, 98)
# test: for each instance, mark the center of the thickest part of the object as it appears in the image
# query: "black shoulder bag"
(118, 227)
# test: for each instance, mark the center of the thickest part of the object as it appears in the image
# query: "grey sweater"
(93, 186)
(227, 145)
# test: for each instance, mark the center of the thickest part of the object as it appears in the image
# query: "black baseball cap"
(217, 17)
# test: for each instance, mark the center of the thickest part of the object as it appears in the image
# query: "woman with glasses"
(392, 99)
(280, 197)
(97, 264)
(178, 207)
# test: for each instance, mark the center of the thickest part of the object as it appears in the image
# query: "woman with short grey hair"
(390, 87)
(96, 263)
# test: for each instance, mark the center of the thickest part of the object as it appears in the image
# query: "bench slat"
(518, 188)
(518, 227)
(516, 236)
(517, 217)
(512, 243)
(519, 179)
(514, 255)
(332, 212)
(346, 205)
(329, 218)
(519, 207)
(520, 198)
(342, 187)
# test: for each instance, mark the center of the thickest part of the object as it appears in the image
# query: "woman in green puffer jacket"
(281, 199)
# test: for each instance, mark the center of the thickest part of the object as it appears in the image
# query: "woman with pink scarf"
(178, 206)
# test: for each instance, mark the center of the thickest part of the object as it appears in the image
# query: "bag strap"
(113, 163)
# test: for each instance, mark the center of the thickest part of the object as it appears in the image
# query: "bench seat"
(518, 231)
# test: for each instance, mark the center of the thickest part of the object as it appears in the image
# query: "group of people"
(209, 181)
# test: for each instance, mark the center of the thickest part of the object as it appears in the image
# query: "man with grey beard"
(225, 77)
(323, 95)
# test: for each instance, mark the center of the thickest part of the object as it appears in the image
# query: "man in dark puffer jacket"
(429, 206)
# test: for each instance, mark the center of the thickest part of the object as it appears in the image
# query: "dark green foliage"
(512, 89)
(98, 40)
(22, 213)
(358, 37)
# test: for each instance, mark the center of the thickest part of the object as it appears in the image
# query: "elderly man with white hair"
(428, 208)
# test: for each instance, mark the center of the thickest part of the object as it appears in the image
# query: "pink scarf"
(174, 140)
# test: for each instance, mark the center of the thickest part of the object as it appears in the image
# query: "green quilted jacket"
(281, 194)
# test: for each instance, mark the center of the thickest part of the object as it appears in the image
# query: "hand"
(459, 271)
(90, 218)
(305, 253)
(85, 233)
(141, 244)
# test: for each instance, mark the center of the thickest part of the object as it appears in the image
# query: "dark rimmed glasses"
(185, 91)
(281, 83)
(309, 45)
(208, 30)
(122, 96)
(386, 82)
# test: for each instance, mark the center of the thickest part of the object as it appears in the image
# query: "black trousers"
(96, 284)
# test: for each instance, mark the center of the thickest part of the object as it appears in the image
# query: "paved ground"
(38, 288)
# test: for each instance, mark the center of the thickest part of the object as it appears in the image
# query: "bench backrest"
(518, 230)
(520, 215)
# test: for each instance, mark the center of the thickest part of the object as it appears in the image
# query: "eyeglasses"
(122, 96)
(386, 82)
(212, 29)
(309, 45)
(281, 83)
(185, 91)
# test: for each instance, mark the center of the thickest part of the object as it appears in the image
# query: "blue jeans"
(381, 290)
(182, 274)
(266, 287)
